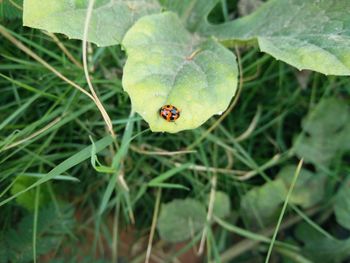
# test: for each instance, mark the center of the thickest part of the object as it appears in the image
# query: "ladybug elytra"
(169, 113)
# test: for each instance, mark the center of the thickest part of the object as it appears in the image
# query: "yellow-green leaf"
(109, 22)
(168, 65)
(310, 34)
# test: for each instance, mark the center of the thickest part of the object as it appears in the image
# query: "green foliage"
(260, 204)
(53, 225)
(342, 204)
(306, 34)
(27, 199)
(309, 189)
(326, 132)
(321, 249)
(110, 20)
(179, 220)
(222, 205)
(328, 250)
(10, 10)
(167, 65)
(48, 124)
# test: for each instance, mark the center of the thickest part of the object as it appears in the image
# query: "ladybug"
(169, 113)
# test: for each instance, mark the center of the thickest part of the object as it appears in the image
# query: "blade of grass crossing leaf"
(65, 165)
(311, 223)
(244, 156)
(297, 172)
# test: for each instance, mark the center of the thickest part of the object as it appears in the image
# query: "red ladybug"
(169, 113)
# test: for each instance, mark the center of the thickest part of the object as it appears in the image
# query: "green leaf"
(64, 166)
(222, 205)
(306, 233)
(327, 250)
(309, 189)
(260, 204)
(53, 224)
(311, 35)
(180, 219)
(167, 65)
(319, 248)
(26, 200)
(325, 132)
(10, 10)
(109, 22)
(342, 205)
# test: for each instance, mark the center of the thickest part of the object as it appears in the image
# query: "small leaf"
(168, 65)
(222, 205)
(259, 205)
(325, 132)
(306, 233)
(109, 22)
(342, 205)
(54, 222)
(26, 200)
(309, 189)
(180, 219)
(311, 35)
(327, 250)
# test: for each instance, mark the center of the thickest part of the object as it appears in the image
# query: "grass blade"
(297, 172)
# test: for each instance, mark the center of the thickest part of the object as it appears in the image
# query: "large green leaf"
(319, 248)
(260, 204)
(342, 205)
(27, 199)
(181, 219)
(309, 189)
(326, 132)
(311, 35)
(328, 250)
(110, 19)
(222, 204)
(167, 65)
(53, 223)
